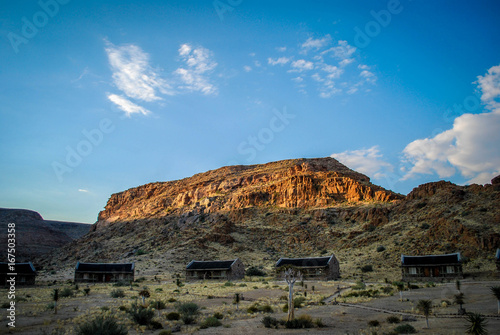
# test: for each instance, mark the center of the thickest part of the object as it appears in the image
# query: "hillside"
(289, 208)
(36, 236)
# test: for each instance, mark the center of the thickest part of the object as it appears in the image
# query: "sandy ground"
(33, 317)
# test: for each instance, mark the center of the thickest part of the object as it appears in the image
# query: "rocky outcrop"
(299, 183)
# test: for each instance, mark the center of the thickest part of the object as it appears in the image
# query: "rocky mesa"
(298, 183)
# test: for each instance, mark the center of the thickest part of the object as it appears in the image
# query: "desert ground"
(342, 313)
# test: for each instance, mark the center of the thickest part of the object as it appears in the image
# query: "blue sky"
(100, 96)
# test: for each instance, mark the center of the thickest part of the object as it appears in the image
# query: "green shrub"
(367, 268)
(359, 285)
(269, 322)
(172, 300)
(380, 248)
(66, 292)
(297, 302)
(405, 329)
(425, 226)
(165, 332)
(158, 304)
(373, 323)
(393, 319)
(255, 271)
(141, 315)
(387, 289)
(218, 315)
(228, 283)
(117, 293)
(303, 321)
(86, 291)
(155, 325)
(319, 323)
(210, 322)
(266, 309)
(101, 325)
(173, 316)
(188, 311)
(253, 309)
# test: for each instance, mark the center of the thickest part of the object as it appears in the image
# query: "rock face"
(294, 208)
(299, 183)
(34, 235)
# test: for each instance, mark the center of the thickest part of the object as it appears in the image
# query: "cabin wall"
(432, 272)
(237, 271)
(92, 277)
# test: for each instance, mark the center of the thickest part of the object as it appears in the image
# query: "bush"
(155, 325)
(380, 248)
(405, 329)
(86, 291)
(359, 285)
(218, 315)
(117, 293)
(393, 319)
(269, 322)
(66, 292)
(158, 304)
(255, 271)
(387, 289)
(425, 226)
(367, 268)
(172, 300)
(253, 309)
(319, 323)
(297, 302)
(101, 325)
(173, 316)
(303, 321)
(228, 283)
(373, 323)
(266, 309)
(188, 311)
(141, 315)
(165, 332)
(210, 322)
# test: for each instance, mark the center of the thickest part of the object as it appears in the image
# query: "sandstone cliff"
(298, 183)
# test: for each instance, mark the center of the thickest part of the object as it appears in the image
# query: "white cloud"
(470, 147)
(127, 106)
(278, 61)
(298, 79)
(343, 51)
(247, 68)
(133, 75)
(281, 49)
(199, 64)
(489, 84)
(315, 44)
(333, 71)
(83, 190)
(367, 161)
(302, 65)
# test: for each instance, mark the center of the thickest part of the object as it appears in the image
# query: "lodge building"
(431, 267)
(25, 273)
(226, 270)
(326, 268)
(104, 272)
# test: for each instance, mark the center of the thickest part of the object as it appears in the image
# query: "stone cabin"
(326, 268)
(104, 272)
(431, 267)
(25, 273)
(226, 270)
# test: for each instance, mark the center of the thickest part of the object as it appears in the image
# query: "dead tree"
(291, 276)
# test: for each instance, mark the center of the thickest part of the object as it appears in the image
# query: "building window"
(412, 271)
(450, 269)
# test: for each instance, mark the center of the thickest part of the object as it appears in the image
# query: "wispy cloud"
(278, 61)
(133, 75)
(470, 147)
(199, 64)
(367, 161)
(315, 44)
(127, 106)
(83, 190)
(324, 63)
(247, 68)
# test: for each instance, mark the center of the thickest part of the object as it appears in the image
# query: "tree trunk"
(55, 307)
(291, 314)
(427, 321)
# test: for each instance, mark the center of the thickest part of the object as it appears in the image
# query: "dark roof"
(210, 265)
(23, 268)
(431, 259)
(104, 267)
(304, 262)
